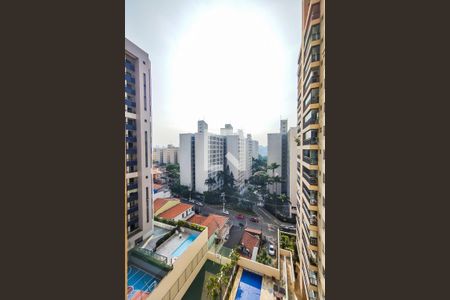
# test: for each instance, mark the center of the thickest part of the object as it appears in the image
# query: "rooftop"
(249, 241)
(175, 211)
(213, 222)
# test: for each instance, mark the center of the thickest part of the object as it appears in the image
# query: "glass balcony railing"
(312, 120)
(133, 209)
(312, 179)
(310, 160)
(132, 186)
(129, 65)
(131, 163)
(131, 139)
(130, 78)
(130, 90)
(130, 103)
(130, 126)
(131, 151)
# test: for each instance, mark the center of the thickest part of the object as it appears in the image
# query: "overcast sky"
(224, 61)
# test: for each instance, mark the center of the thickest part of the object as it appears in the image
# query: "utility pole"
(223, 201)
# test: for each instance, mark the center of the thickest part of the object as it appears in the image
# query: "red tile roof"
(175, 211)
(213, 222)
(249, 241)
(158, 203)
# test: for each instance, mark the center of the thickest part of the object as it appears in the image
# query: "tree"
(273, 166)
(263, 257)
(210, 182)
(213, 286)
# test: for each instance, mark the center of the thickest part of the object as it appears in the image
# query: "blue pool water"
(139, 280)
(184, 246)
(249, 286)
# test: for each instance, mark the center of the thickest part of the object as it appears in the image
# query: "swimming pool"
(184, 246)
(249, 286)
(139, 282)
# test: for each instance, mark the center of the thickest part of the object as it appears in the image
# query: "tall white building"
(166, 155)
(293, 166)
(138, 144)
(255, 149)
(203, 155)
(277, 153)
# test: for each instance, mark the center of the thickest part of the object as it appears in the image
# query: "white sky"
(224, 61)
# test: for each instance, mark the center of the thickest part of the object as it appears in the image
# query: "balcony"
(312, 99)
(129, 65)
(129, 78)
(130, 90)
(312, 120)
(311, 141)
(311, 79)
(130, 126)
(310, 160)
(132, 197)
(132, 186)
(133, 220)
(310, 196)
(130, 103)
(131, 163)
(315, 57)
(133, 209)
(131, 139)
(131, 151)
(312, 179)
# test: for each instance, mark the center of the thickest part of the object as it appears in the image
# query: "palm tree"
(273, 166)
(210, 182)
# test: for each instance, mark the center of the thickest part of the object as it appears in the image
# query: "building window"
(146, 151)
(145, 91)
(147, 202)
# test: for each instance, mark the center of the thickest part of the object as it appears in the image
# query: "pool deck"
(169, 246)
(236, 284)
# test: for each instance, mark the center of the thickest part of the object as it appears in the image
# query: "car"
(240, 217)
(191, 200)
(271, 250)
(199, 203)
(253, 219)
(226, 212)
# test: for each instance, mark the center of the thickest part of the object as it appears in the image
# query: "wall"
(175, 284)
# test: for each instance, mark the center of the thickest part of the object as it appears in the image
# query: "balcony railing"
(132, 186)
(131, 139)
(311, 141)
(129, 90)
(131, 163)
(131, 151)
(129, 65)
(133, 220)
(315, 57)
(130, 126)
(310, 160)
(133, 209)
(130, 103)
(311, 197)
(312, 179)
(132, 197)
(129, 78)
(311, 99)
(312, 120)
(312, 79)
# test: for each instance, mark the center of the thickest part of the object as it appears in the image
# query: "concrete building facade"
(138, 144)
(292, 169)
(311, 158)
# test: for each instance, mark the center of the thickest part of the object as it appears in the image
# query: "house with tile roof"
(181, 211)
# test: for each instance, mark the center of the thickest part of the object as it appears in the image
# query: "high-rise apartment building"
(292, 152)
(202, 155)
(138, 144)
(166, 155)
(311, 159)
(277, 153)
(255, 149)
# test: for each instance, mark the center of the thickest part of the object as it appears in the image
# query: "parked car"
(271, 250)
(226, 212)
(240, 217)
(199, 203)
(191, 200)
(253, 219)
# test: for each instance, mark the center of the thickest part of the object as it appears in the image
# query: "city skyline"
(206, 67)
